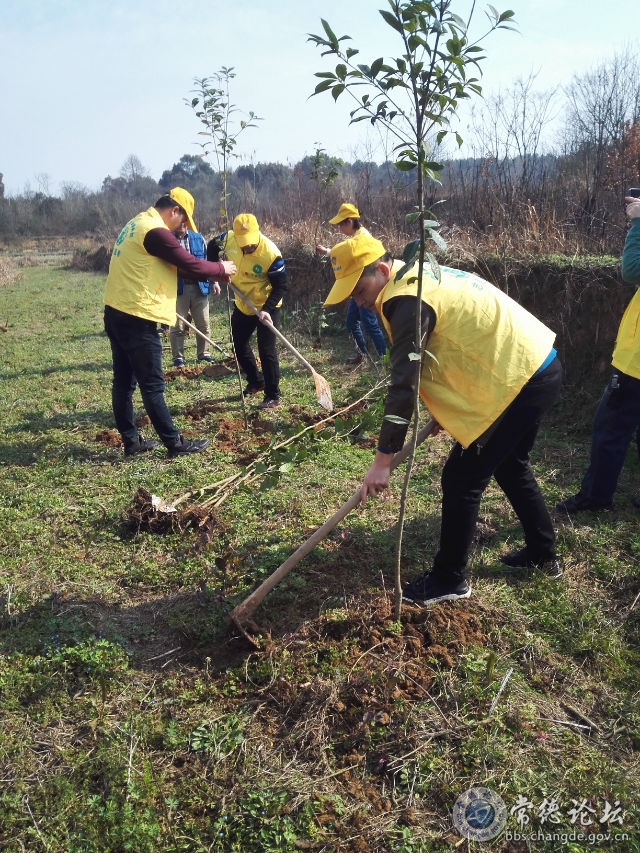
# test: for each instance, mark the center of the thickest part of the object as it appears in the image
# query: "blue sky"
(87, 84)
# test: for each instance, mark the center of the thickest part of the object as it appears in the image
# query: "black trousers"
(242, 328)
(137, 360)
(505, 456)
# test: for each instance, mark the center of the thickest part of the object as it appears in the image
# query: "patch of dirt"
(224, 367)
(305, 417)
(202, 409)
(387, 667)
(145, 514)
(232, 437)
(109, 438)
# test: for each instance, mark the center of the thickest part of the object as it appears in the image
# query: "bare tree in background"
(623, 164)
(508, 184)
(42, 179)
(512, 126)
(132, 169)
(601, 103)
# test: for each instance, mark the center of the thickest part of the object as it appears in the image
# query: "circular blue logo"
(480, 814)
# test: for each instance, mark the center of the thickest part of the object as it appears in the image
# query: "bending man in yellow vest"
(489, 374)
(262, 278)
(141, 292)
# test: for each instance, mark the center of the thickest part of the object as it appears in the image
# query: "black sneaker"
(142, 446)
(178, 362)
(270, 403)
(185, 446)
(580, 503)
(521, 560)
(206, 357)
(251, 389)
(426, 589)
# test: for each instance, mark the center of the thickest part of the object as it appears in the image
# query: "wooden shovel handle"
(202, 334)
(246, 608)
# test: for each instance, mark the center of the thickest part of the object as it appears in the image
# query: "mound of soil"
(147, 513)
(109, 438)
(222, 368)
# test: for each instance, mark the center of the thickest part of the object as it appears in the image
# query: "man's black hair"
(165, 202)
(371, 268)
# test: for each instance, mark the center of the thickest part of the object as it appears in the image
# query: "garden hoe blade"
(323, 391)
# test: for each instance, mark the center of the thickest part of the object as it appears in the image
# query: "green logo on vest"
(256, 269)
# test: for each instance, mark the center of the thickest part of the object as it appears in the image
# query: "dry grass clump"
(523, 229)
(8, 273)
(91, 260)
(8, 276)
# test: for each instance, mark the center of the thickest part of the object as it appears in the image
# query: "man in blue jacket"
(193, 298)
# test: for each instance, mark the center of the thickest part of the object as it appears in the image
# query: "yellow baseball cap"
(348, 259)
(186, 202)
(347, 211)
(246, 230)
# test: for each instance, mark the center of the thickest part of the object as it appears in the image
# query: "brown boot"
(355, 360)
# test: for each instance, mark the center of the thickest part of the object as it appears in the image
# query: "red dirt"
(224, 367)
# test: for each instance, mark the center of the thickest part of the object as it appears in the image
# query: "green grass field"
(133, 718)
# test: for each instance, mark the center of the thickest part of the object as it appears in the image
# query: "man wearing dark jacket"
(139, 294)
(193, 299)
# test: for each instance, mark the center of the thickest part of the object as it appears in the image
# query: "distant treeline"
(511, 195)
(540, 204)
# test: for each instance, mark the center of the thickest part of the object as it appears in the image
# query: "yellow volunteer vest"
(626, 354)
(251, 275)
(139, 283)
(485, 348)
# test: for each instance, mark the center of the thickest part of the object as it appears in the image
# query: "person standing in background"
(193, 298)
(358, 318)
(617, 417)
